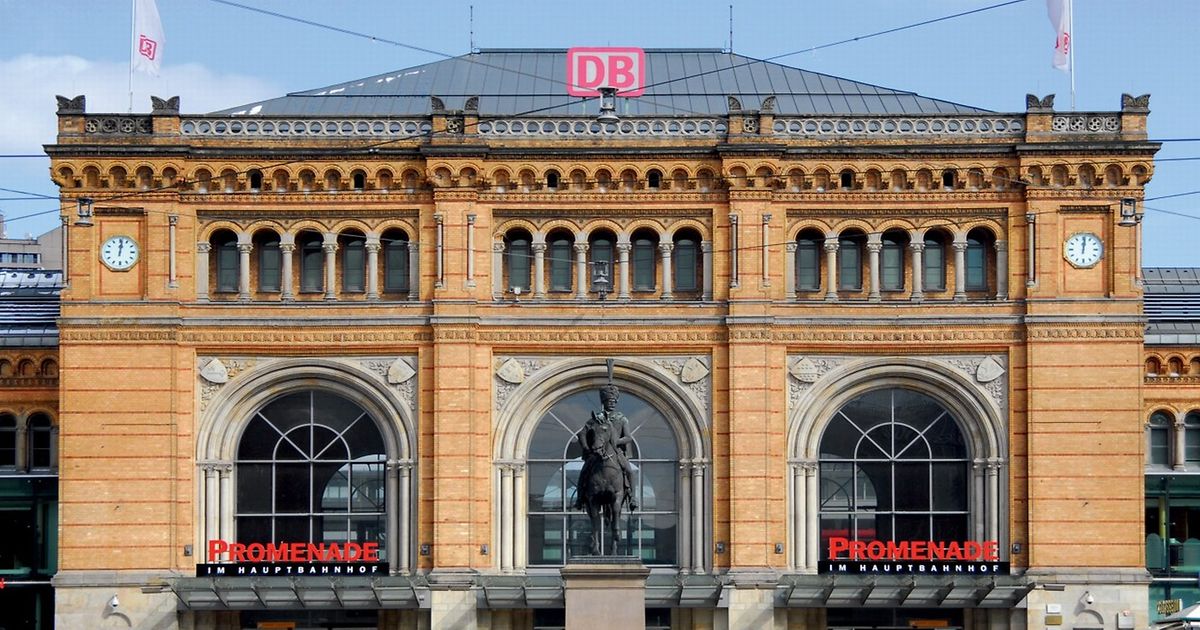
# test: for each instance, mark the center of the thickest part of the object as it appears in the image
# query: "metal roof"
(29, 308)
(680, 82)
(1172, 305)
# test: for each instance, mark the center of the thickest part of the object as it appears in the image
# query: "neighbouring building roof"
(1172, 305)
(29, 308)
(680, 82)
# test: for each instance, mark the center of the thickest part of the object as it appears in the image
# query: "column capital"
(398, 465)
(497, 246)
(873, 238)
(580, 247)
(959, 246)
(373, 247)
(215, 466)
(537, 247)
(766, 218)
(665, 248)
(329, 248)
(172, 219)
(917, 247)
(245, 248)
(1001, 245)
(287, 248)
(471, 219)
(438, 217)
(830, 246)
(624, 246)
(874, 247)
(203, 247)
(706, 247)
(791, 247)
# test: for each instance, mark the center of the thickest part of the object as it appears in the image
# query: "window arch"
(1159, 435)
(8, 441)
(892, 260)
(809, 245)
(979, 259)
(850, 268)
(556, 529)
(686, 262)
(226, 265)
(933, 276)
(560, 255)
(395, 261)
(270, 261)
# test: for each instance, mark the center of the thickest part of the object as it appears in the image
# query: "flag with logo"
(1060, 20)
(147, 37)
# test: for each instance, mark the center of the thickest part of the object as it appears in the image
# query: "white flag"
(147, 37)
(1060, 21)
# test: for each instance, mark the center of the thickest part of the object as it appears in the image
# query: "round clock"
(119, 253)
(1083, 249)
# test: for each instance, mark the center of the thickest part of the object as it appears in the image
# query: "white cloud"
(27, 109)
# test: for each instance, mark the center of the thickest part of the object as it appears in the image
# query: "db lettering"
(591, 68)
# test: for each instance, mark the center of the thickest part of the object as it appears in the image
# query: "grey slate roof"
(1172, 305)
(680, 82)
(29, 308)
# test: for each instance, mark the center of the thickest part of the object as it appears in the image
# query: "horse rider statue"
(618, 426)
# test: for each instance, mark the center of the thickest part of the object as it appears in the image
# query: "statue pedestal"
(605, 591)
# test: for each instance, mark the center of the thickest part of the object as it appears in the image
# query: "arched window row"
(307, 265)
(28, 367)
(1172, 366)
(640, 264)
(588, 179)
(28, 442)
(242, 179)
(897, 264)
(1173, 440)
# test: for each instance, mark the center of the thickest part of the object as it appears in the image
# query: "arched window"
(226, 247)
(849, 264)
(1191, 438)
(312, 264)
(559, 252)
(310, 468)
(1159, 450)
(654, 179)
(685, 260)
(41, 442)
(395, 262)
(600, 251)
(519, 253)
(643, 264)
(976, 260)
(354, 262)
(269, 262)
(552, 180)
(808, 261)
(934, 263)
(8, 440)
(556, 530)
(893, 466)
(892, 262)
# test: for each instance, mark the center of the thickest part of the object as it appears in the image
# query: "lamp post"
(83, 210)
(600, 277)
(608, 106)
(1129, 213)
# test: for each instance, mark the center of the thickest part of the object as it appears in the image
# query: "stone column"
(918, 271)
(789, 270)
(539, 270)
(53, 447)
(581, 274)
(414, 270)
(766, 249)
(372, 247)
(212, 507)
(202, 249)
(470, 250)
(831, 287)
(993, 504)
(1030, 249)
(225, 475)
(497, 270)
(172, 271)
(406, 514)
(874, 246)
(665, 250)
(244, 250)
(978, 500)
(330, 248)
(706, 250)
(799, 515)
(812, 495)
(733, 251)
(699, 512)
(440, 280)
(960, 271)
(393, 510)
(623, 249)
(286, 249)
(1179, 462)
(507, 542)
(519, 546)
(686, 505)
(1001, 270)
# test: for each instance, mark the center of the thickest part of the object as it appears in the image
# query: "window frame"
(806, 247)
(849, 259)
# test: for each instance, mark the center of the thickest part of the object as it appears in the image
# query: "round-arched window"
(893, 466)
(556, 529)
(310, 468)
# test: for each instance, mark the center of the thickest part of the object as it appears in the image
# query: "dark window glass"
(684, 261)
(808, 265)
(518, 254)
(934, 261)
(269, 263)
(560, 264)
(395, 265)
(353, 265)
(892, 266)
(552, 179)
(1160, 439)
(643, 265)
(40, 437)
(601, 252)
(8, 441)
(360, 181)
(976, 266)
(227, 266)
(312, 267)
(849, 265)
(653, 179)
(1191, 438)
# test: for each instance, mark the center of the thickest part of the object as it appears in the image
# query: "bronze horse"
(605, 494)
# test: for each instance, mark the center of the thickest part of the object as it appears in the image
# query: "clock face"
(1083, 250)
(119, 253)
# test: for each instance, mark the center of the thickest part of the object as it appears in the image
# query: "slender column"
(406, 515)
(286, 249)
(979, 501)
(874, 246)
(414, 270)
(799, 515)
(202, 249)
(172, 271)
(993, 492)
(699, 550)
(506, 517)
(766, 249)
(706, 250)
(212, 510)
(812, 515)
(581, 275)
(441, 248)
(372, 247)
(686, 506)
(22, 445)
(497, 270)
(789, 271)
(53, 448)
(733, 251)
(831, 278)
(539, 270)
(918, 271)
(244, 250)
(518, 515)
(66, 252)
(1001, 270)
(1031, 249)
(665, 250)
(1180, 441)
(394, 511)
(330, 248)
(225, 474)
(470, 250)
(623, 248)
(960, 271)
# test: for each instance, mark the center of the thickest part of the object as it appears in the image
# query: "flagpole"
(1071, 51)
(132, 47)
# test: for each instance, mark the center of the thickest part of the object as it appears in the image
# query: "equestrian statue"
(605, 485)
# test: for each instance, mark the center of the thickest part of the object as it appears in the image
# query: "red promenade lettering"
(293, 552)
(846, 549)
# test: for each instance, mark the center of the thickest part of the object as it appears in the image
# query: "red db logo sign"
(591, 68)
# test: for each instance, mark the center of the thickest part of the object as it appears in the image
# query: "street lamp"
(1129, 214)
(83, 207)
(608, 106)
(600, 277)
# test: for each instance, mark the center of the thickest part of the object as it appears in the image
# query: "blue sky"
(219, 56)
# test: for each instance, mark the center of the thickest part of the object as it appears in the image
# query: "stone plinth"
(608, 591)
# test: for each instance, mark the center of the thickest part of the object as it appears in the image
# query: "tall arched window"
(893, 466)
(892, 262)
(1191, 438)
(643, 264)
(976, 260)
(312, 264)
(934, 261)
(226, 248)
(849, 264)
(8, 440)
(395, 261)
(310, 468)
(41, 442)
(1159, 450)
(685, 264)
(269, 262)
(519, 254)
(600, 251)
(808, 261)
(560, 262)
(556, 530)
(354, 262)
